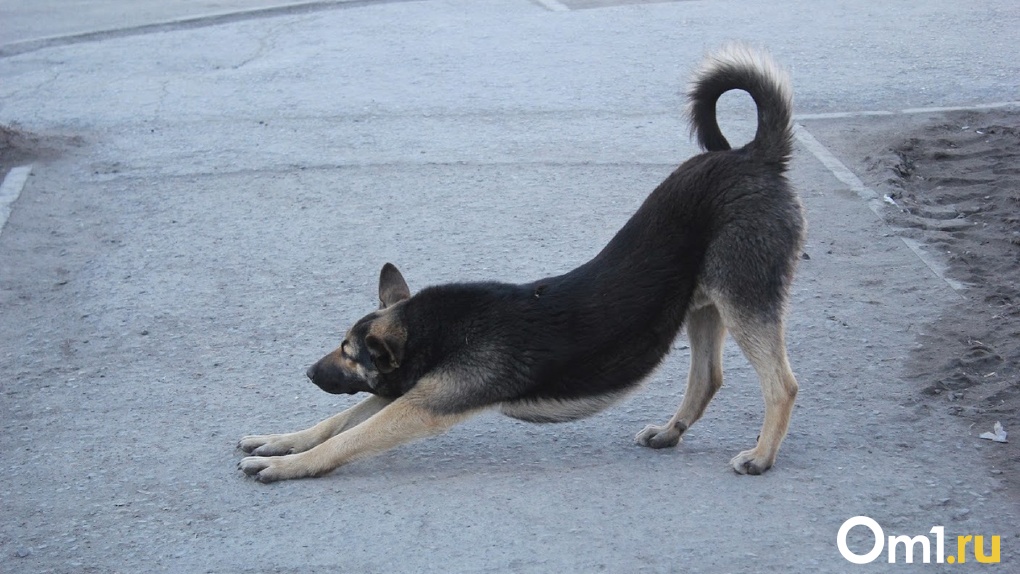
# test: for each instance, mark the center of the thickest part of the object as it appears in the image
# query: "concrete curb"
(15, 48)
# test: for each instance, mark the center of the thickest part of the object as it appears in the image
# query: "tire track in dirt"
(956, 186)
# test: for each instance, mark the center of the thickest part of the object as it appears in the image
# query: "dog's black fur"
(604, 326)
(720, 236)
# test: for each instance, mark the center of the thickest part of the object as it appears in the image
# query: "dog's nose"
(310, 373)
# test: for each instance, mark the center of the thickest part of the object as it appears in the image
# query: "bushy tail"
(740, 67)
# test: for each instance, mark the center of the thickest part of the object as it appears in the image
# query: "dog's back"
(726, 222)
(713, 247)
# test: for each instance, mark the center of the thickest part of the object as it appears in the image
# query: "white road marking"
(553, 5)
(937, 266)
(908, 111)
(991, 106)
(837, 168)
(841, 115)
(10, 190)
(869, 195)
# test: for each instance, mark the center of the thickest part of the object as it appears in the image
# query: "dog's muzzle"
(334, 381)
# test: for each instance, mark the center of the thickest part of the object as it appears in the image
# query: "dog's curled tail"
(740, 67)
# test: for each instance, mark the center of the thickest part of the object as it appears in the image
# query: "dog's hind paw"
(751, 462)
(655, 436)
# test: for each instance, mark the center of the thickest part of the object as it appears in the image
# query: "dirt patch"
(18, 146)
(956, 183)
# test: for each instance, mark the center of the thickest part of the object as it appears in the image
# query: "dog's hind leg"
(706, 333)
(762, 343)
(300, 441)
(402, 421)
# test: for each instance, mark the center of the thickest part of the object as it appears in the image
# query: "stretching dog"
(714, 246)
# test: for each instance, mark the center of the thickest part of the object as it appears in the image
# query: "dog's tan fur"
(714, 247)
(763, 345)
(300, 441)
(339, 440)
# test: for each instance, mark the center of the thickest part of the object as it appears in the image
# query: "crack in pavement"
(25, 46)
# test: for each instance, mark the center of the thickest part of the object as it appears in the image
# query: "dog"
(714, 247)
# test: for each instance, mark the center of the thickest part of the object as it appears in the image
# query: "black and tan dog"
(714, 246)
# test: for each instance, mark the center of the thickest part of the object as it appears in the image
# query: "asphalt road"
(210, 203)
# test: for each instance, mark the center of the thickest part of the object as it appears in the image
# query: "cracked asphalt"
(212, 197)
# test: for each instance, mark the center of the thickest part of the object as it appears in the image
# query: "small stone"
(961, 514)
(22, 552)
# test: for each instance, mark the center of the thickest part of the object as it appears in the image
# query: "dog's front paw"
(276, 444)
(655, 436)
(752, 462)
(268, 469)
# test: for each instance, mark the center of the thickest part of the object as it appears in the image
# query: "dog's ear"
(387, 351)
(392, 287)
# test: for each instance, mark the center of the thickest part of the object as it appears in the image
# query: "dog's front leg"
(300, 441)
(400, 422)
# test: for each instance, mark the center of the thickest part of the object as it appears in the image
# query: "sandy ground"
(956, 187)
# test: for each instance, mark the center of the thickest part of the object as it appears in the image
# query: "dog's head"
(371, 352)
